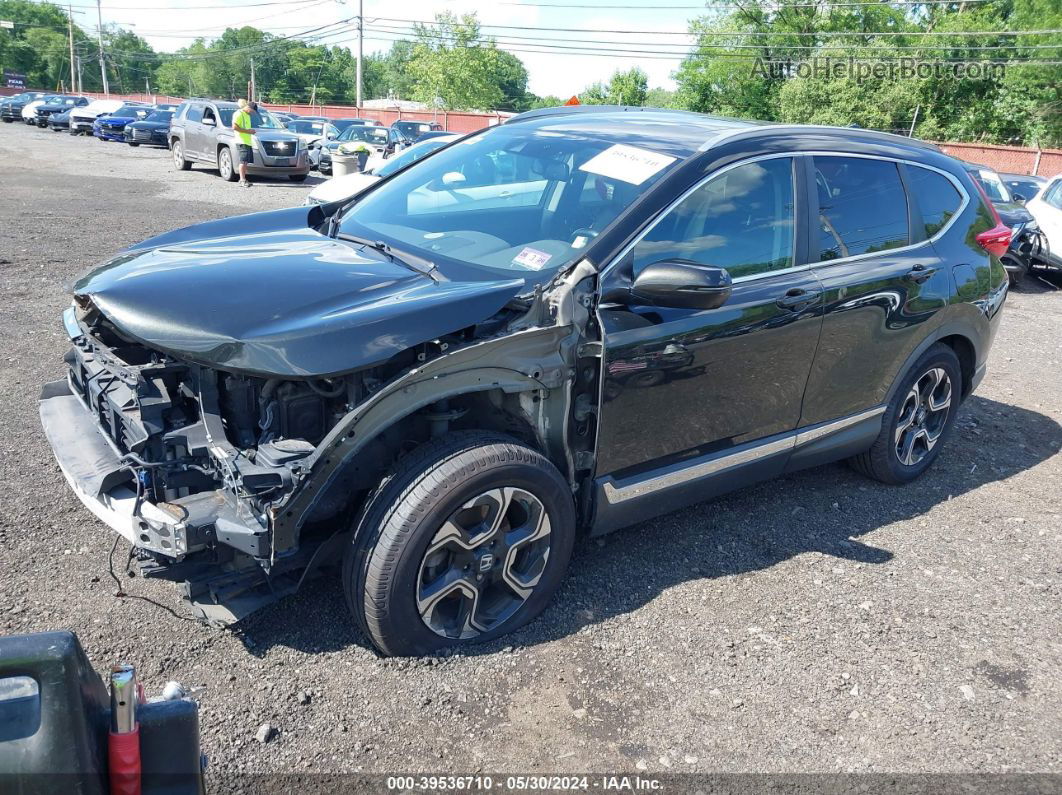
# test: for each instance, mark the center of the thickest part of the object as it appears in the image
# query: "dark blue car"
(112, 126)
(152, 130)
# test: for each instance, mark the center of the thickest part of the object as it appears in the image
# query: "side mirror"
(682, 284)
(332, 136)
(1018, 198)
(209, 123)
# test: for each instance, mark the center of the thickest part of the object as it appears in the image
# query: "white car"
(81, 119)
(310, 131)
(1046, 208)
(349, 186)
(29, 113)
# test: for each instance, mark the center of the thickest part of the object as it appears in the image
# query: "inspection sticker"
(627, 163)
(533, 258)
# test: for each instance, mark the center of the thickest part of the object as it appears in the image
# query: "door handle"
(797, 298)
(919, 273)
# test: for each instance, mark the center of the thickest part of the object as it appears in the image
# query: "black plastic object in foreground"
(55, 714)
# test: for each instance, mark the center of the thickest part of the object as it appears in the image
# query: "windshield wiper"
(407, 259)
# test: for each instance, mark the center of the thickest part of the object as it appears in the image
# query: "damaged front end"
(237, 486)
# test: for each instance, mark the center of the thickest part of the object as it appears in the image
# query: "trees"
(1022, 104)
(452, 65)
(628, 87)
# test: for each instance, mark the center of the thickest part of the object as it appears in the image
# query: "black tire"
(384, 565)
(8, 121)
(883, 460)
(177, 152)
(298, 177)
(226, 165)
(132, 144)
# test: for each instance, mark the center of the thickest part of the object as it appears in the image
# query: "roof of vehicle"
(687, 130)
(1032, 177)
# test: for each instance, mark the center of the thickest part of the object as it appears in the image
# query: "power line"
(746, 33)
(672, 56)
(736, 7)
(547, 41)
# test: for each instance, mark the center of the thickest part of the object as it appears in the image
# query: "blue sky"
(170, 24)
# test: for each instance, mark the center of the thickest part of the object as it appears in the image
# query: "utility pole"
(361, 43)
(70, 30)
(254, 88)
(80, 85)
(103, 61)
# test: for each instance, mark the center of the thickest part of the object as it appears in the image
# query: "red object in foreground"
(123, 758)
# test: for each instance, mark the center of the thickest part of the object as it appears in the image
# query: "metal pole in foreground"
(70, 30)
(99, 32)
(123, 746)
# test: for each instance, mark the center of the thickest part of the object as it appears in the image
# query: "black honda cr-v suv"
(566, 323)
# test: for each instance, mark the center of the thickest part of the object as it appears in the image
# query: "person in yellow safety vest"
(241, 125)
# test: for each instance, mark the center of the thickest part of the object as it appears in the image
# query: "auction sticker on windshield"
(627, 163)
(532, 258)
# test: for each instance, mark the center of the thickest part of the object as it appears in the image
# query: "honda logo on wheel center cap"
(486, 562)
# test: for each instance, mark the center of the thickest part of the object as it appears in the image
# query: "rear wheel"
(228, 173)
(918, 420)
(467, 540)
(297, 177)
(7, 120)
(132, 144)
(177, 152)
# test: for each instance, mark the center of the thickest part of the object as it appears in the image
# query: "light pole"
(361, 42)
(99, 31)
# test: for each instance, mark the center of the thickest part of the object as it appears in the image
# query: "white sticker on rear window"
(627, 163)
(533, 258)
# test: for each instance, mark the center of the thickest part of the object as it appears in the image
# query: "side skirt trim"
(617, 492)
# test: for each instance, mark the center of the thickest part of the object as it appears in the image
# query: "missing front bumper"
(107, 486)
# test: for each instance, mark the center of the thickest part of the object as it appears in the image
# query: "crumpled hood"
(266, 294)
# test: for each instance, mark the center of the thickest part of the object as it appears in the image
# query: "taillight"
(996, 240)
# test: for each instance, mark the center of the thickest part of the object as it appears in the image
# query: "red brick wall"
(1009, 159)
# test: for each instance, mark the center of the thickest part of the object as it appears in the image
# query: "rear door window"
(862, 207)
(938, 199)
(194, 113)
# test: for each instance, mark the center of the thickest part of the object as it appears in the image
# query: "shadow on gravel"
(827, 510)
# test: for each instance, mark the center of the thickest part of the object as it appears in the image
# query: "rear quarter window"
(937, 197)
(862, 207)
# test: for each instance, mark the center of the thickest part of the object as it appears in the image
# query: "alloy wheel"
(483, 563)
(178, 154)
(225, 164)
(922, 416)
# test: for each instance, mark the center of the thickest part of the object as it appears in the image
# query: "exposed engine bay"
(238, 485)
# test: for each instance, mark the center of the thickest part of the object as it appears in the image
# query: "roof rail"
(567, 110)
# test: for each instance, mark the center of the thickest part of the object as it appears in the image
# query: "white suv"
(1046, 208)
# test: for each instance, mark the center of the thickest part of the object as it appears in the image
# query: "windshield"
(311, 127)
(129, 110)
(411, 155)
(342, 124)
(160, 115)
(412, 127)
(993, 185)
(357, 132)
(509, 199)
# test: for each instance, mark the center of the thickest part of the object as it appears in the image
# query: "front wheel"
(467, 540)
(228, 173)
(177, 152)
(918, 420)
(132, 144)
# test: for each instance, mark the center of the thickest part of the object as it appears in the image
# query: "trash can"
(344, 164)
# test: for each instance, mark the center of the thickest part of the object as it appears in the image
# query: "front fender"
(521, 362)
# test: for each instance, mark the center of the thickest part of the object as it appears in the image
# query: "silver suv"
(201, 132)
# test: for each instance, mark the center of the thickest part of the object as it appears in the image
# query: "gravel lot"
(823, 623)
